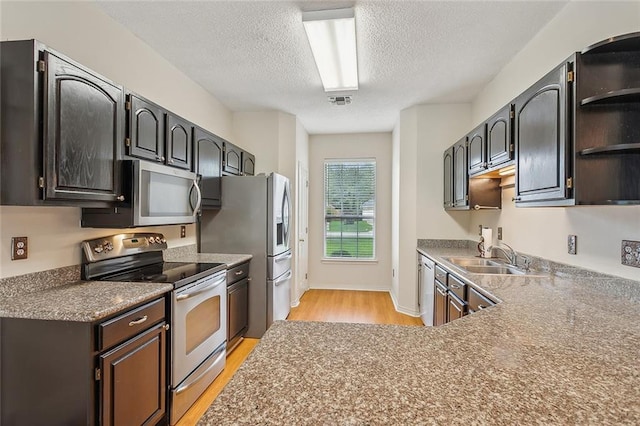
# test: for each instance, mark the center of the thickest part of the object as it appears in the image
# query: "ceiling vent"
(340, 100)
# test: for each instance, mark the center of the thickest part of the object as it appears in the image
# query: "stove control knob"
(108, 246)
(151, 240)
(163, 241)
(98, 249)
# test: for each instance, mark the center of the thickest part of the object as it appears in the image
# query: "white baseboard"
(401, 309)
(346, 287)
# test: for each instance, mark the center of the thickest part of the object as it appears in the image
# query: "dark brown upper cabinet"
(145, 129)
(62, 129)
(232, 159)
(477, 149)
(208, 152)
(607, 122)
(155, 134)
(500, 145)
(542, 131)
(178, 142)
(447, 163)
(460, 177)
(248, 163)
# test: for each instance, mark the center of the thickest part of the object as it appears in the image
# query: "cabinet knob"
(120, 198)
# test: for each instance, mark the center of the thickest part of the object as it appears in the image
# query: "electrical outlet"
(183, 231)
(631, 253)
(499, 233)
(19, 248)
(479, 229)
(572, 244)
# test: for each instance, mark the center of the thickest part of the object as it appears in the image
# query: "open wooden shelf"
(613, 97)
(631, 148)
(624, 43)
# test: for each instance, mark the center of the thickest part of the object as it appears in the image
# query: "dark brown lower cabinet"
(440, 305)
(133, 383)
(455, 308)
(108, 372)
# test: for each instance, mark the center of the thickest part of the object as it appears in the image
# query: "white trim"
(339, 260)
(402, 310)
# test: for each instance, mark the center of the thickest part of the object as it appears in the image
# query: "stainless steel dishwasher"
(426, 268)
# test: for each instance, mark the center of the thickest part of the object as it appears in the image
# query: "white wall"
(258, 133)
(83, 32)
(543, 231)
(350, 275)
(422, 134)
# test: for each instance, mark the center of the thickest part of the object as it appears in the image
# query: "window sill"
(345, 260)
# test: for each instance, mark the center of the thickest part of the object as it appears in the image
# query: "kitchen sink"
(494, 269)
(473, 261)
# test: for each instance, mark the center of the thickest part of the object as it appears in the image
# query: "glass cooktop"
(166, 272)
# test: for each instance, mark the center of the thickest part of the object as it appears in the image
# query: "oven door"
(199, 323)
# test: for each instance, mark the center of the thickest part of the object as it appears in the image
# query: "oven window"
(202, 322)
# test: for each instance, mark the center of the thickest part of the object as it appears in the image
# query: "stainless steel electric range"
(198, 306)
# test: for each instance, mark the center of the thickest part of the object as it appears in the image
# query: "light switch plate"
(500, 233)
(572, 244)
(19, 248)
(631, 253)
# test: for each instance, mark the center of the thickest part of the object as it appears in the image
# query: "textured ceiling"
(253, 55)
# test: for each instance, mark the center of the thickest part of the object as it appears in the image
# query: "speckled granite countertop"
(558, 349)
(190, 254)
(82, 301)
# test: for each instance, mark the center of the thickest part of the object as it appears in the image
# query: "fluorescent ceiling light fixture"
(332, 36)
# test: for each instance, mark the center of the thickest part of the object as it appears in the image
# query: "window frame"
(328, 259)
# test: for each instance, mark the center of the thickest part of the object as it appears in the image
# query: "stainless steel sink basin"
(473, 261)
(494, 269)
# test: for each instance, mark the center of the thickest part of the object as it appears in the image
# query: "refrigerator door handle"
(283, 278)
(283, 258)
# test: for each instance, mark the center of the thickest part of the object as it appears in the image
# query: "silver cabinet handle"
(283, 279)
(120, 198)
(455, 286)
(481, 307)
(138, 321)
(239, 272)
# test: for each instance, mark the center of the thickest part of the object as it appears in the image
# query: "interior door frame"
(301, 233)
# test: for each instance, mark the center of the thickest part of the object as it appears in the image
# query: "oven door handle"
(283, 279)
(202, 290)
(204, 373)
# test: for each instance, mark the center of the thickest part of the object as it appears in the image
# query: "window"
(349, 209)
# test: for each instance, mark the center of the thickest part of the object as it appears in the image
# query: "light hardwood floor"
(372, 307)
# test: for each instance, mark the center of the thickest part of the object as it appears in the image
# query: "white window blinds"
(349, 209)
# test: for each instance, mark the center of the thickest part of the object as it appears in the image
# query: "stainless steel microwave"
(154, 194)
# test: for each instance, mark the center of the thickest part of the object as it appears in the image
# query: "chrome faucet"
(511, 255)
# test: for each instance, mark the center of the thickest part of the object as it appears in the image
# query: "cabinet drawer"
(129, 324)
(457, 287)
(477, 301)
(237, 273)
(441, 275)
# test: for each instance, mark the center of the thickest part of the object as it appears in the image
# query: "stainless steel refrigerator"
(254, 219)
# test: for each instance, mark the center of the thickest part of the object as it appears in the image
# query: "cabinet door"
(179, 142)
(208, 164)
(83, 129)
(460, 193)
(455, 309)
(133, 382)
(476, 150)
(542, 141)
(232, 160)
(237, 309)
(248, 163)
(499, 140)
(439, 306)
(448, 178)
(145, 129)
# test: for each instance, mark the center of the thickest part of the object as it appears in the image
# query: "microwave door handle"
(199, 199)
